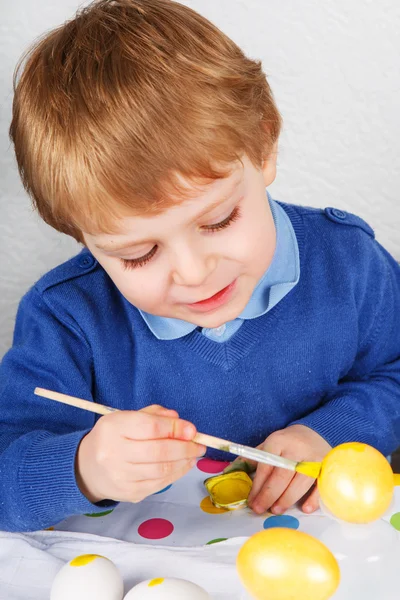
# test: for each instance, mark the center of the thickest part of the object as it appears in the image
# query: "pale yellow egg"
(285, 564)
(169, 588)
(356, 483)
(88, 577)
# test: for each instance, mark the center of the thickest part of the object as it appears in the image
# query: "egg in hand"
(88, 577)
(167, 589)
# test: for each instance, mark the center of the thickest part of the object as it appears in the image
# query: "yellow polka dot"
(84, 559)
(208, 507)
(154, 582)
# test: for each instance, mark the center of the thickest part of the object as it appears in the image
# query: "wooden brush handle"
(100, 409)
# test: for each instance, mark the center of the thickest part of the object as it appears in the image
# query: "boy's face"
(200, 260)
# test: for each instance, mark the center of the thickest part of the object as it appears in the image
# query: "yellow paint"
(208, 507)
(356, 483)
(396, 478)
(229, 490)
(311, 469)
(84, 559)
(154, 582)
(280, 563)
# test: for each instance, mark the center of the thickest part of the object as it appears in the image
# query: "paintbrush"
(311, 469)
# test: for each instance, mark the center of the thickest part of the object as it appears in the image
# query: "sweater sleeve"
(39, 438)
(365, 404)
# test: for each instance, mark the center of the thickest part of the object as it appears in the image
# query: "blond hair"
(111, 106)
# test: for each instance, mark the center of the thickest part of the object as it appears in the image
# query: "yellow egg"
(285, 564)
(356, 483)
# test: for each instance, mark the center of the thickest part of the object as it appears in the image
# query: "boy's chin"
(213, 321)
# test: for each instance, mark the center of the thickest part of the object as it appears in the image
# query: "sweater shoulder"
(323, 218)
(68, 273)
(339, 248)
(78, 290)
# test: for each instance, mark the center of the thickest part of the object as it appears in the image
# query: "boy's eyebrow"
(124, 246)
(214, 205)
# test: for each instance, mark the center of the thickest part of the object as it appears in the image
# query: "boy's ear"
(269, 165)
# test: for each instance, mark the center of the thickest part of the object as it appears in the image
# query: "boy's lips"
(215, 301)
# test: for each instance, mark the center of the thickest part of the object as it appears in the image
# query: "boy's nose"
(192, 269)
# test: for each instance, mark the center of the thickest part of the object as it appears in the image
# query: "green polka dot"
(216, 541)
(395, 521)
(100, 514)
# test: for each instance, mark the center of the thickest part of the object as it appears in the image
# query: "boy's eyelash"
(235, 214)
(134, 263)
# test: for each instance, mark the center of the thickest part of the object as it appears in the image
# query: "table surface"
(175, 533)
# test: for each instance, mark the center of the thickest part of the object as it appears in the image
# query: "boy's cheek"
(143, 290)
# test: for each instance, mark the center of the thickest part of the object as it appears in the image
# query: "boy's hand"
(278, 489)
(130, 455)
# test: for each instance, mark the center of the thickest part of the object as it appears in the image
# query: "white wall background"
(334, 67)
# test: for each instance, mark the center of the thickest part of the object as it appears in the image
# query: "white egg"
(167, 589)
(88, 577)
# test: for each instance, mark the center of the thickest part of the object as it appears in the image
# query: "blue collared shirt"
(281, 276)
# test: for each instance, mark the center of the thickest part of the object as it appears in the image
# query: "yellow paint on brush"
(84, 559)
(311, 469)
(154, 582)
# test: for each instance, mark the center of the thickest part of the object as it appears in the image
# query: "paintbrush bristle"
(311, 469)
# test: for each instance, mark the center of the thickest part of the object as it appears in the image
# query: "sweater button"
(219, 331)
(86, 261)
(339, 214)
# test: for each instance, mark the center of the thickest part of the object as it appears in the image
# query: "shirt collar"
(281, 276)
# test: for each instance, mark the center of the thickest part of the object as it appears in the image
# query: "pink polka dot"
(207, 465)
(155, 529)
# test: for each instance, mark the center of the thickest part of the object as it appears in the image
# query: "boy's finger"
(160, 451)
(156, 409)
(297, 488)
(139, 425)
(273, 489)
(155, 471)
(263, 472)
(149, 487)
(312, 502)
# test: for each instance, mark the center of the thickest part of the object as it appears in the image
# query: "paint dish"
(229, 490)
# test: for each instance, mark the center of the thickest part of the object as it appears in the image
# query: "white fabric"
(29, 562)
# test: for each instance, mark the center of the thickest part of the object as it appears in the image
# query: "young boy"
(198, 301)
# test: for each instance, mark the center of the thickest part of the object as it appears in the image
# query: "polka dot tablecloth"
(183, 515)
